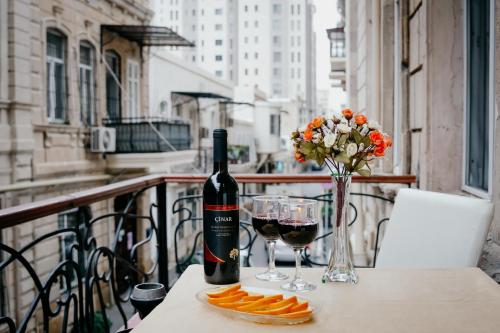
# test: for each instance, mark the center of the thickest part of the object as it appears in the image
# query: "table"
(384, 300)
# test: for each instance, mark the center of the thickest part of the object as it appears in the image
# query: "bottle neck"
(220, 155)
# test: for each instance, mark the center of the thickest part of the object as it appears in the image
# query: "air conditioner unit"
(103, 140)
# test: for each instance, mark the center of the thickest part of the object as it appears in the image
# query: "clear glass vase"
(340, 267)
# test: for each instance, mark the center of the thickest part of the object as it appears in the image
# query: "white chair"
(434, 230)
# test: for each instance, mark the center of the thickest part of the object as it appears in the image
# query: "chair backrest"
(435, 230)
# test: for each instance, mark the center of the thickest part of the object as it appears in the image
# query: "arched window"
(87, 83)
(56, 76)
(163, 107)
(113, 96)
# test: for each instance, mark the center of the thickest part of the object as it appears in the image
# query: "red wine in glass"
(297, 234)
(266, 227)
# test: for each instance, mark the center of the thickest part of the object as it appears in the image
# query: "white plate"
(258, 318)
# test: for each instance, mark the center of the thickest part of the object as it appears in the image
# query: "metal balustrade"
(95, 273)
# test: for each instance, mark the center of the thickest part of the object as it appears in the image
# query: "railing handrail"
(30, 211)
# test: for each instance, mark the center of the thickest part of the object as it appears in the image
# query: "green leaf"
(343, 138)
(360, 165)
(357, 136)
(364, 172)
(306, 147)
(366, 141)
(342, 157)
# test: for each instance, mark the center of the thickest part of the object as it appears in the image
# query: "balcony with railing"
(77, 254)
(337, 55)
(150, 135)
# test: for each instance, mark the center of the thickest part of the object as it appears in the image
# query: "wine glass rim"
(301, 201)
(270, 197)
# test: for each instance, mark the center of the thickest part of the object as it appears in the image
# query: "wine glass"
(298, 227)
(265, 214)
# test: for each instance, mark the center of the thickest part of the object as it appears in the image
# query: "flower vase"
(340, 267)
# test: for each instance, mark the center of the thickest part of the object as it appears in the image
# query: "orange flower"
(347, 113)
(379, 151)
(387, 141)
(317, 122)
(308, 134)
(377, 138)
(360, 119)
(299, 157)
(310, 126)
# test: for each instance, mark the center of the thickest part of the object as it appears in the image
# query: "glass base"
(298, 285)
(340, 275)
(271, 276)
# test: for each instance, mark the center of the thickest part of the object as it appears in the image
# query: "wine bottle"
(221, 220)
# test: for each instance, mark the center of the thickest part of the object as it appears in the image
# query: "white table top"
(384, 300)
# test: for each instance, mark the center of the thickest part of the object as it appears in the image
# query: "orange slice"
(252, 297)
(291, 300)
(232, 305)
(263, 302)
(222, 292)
(228, 299)
(276, 311)
(300, 307)
(297, 314)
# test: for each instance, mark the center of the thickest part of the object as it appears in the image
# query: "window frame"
(50, 63)
(90, 71)
(491, 104)
(133, 100)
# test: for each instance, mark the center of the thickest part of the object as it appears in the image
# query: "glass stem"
(271, 249)
(298, 262)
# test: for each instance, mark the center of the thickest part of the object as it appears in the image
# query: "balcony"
(337, 56)
(150, 144)
(149, 135)
(108, 238)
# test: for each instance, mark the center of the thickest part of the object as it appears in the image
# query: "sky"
(326, 17)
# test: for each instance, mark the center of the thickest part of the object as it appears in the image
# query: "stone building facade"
(54, 85)
(421, 67)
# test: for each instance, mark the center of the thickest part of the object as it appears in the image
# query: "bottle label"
(221, 233)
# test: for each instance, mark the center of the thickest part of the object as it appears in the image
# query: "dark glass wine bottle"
(221, 220)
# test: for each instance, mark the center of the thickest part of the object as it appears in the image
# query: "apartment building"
(426, 70)
(256, 44)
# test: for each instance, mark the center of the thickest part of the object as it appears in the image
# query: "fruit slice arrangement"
(237, 299)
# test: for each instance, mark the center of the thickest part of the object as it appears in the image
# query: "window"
(246, 55)
(218, 57)
(291, 41)
(194, 12)
(256, 24)
(218, 11)
(256, 8)
(256, 55)
(218, 27)
(277, 40)
(276, 25)
(218, 42)
(479, 106)
(256, 71)
(298, 40)
(133, 88)
(298, 73)
(87, 102)
(292, 57)
(298, 9)
(291, 9)
(246, 24)
(202, 12)
(202, 27)
(67, 241)
(277, 71)
(246, 71)
(298, 56)
(56, 76)
(245, 39)
(246, 8)
(275, 124)
(218, 73)
(113, 96)
(163, 107)
(193, 27)
(292, 73)
(277, 56)
(256, 39)
(193, 58)
(276, 9)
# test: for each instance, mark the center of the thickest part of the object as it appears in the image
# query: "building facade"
(426, 69)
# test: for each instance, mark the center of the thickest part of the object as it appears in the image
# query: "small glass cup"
(298, 227)
(265, 214)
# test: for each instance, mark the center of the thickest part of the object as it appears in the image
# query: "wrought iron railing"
(149, 135)
(94, 272)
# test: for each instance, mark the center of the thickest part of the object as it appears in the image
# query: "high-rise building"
(268, 45)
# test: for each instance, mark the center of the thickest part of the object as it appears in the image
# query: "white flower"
(316, 138)
(364, 130)
(329, 139)
(351, 149)
(374, 125)
(344, 128)
(329, 124)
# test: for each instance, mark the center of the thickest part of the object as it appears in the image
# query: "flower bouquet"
(347, 144)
